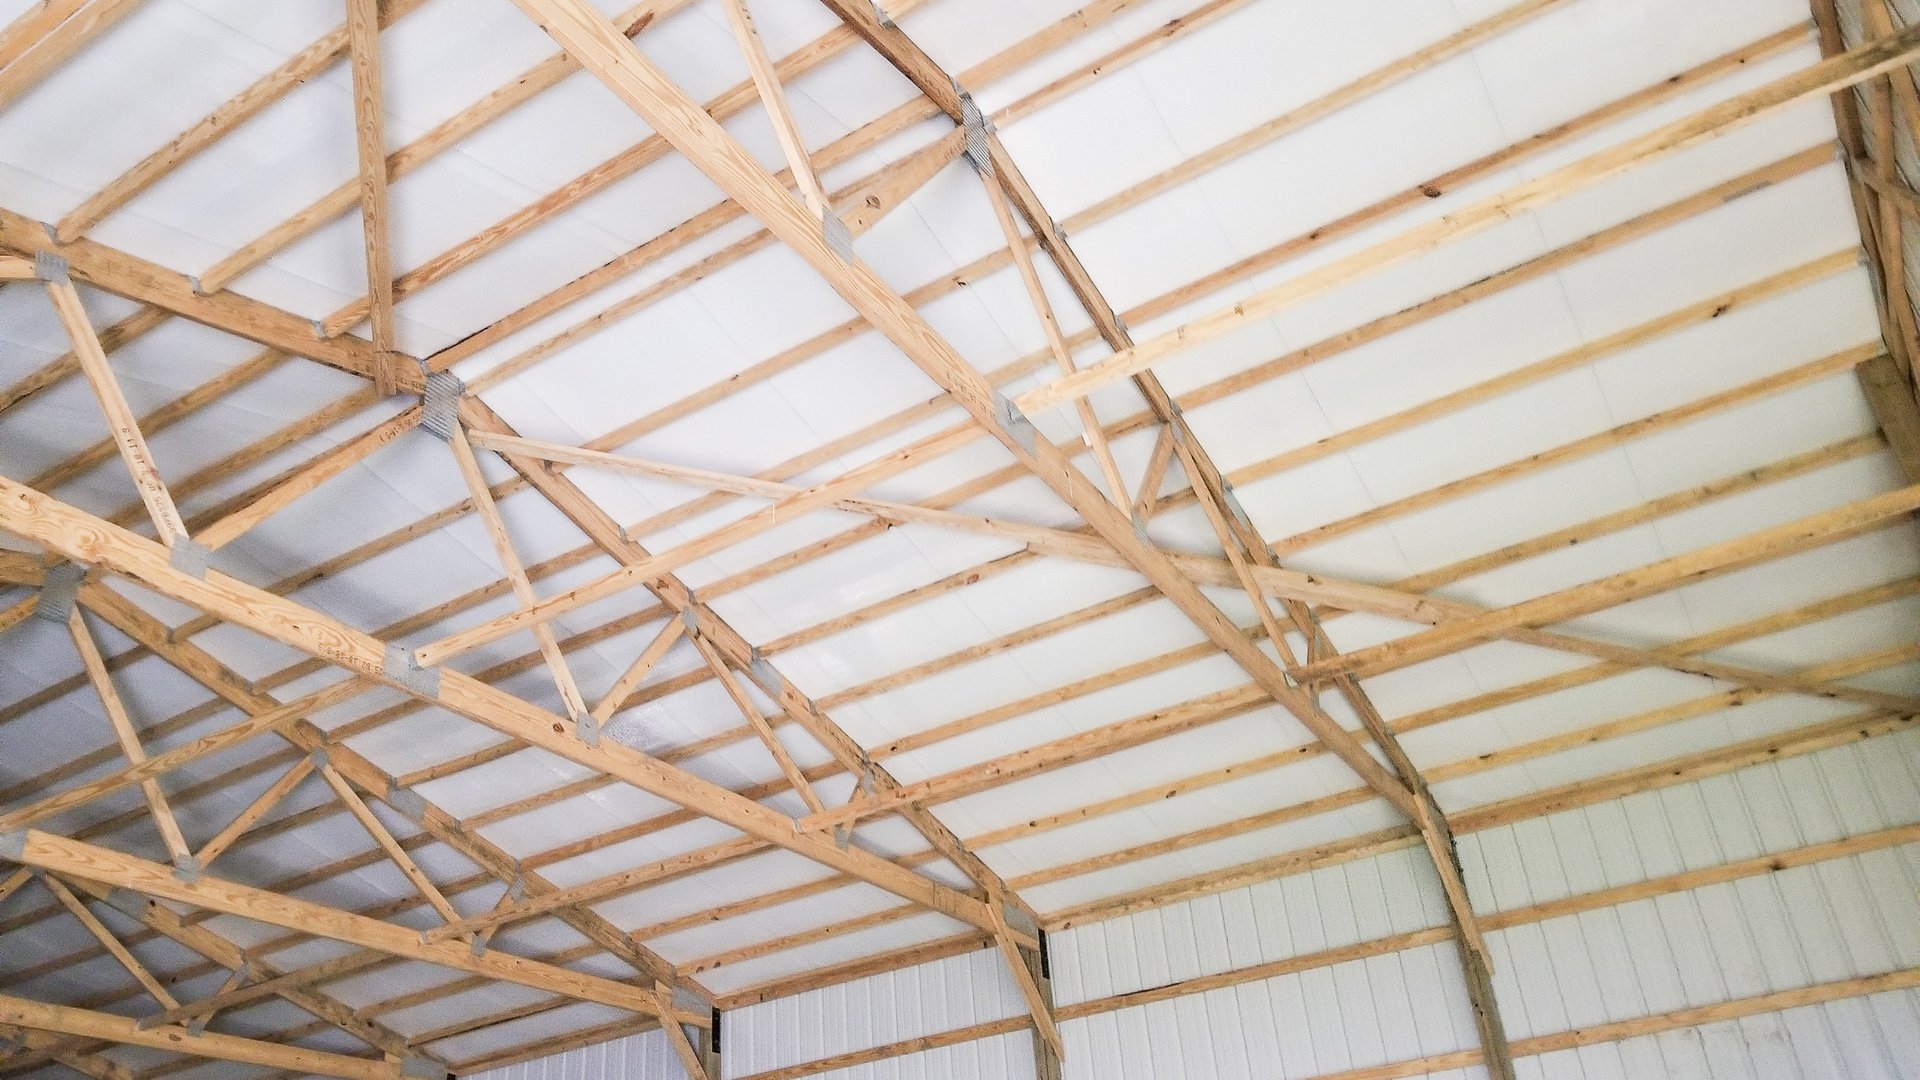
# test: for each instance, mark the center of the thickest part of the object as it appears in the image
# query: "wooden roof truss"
(1285, 653)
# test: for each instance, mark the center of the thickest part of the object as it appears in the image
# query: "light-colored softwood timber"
(1653, 887)
(305, 738)
(260, 807)
(585, 34)
(107, 941)
(1090, 427)
(363, 45)
(396, 854)
(1679, 1019)
(1039, 1009)
(76, 859)
(1567, 130)
(126, 275)
(1564, 256)
(48, 36)
(48, 1046)
(637, 672)
(1892, 399)
(1825, 77)
(145, 770)
(302, 481)
(171, 155)
(797, 706)
(677, 1038)
(64, 1020)
(1208, 492)
(127, 735)
(979, 77)
(730, 682)
(83, 537)
(515, 571)
(32, 24)
(120, 418)
(663, 563)
(774, 99)
(1718, 558)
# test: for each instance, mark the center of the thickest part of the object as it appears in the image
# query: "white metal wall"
(1393, 1007)
(1834, 920)
(1827, 921)
(645, 1056)
(956, 992)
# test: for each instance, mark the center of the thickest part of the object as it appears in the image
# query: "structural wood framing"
(771, 495)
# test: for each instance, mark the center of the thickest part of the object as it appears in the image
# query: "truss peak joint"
(58, 588)
(440, 404)
(320, 758)
(976, 128)
(398, 665)
(189, 556)
(51, 266)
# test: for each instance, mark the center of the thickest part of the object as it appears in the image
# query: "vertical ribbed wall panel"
(1831, 920)
(945, 995)
(1837, 919)
(645, 1056)
(1364, 1012)
(1834, 920)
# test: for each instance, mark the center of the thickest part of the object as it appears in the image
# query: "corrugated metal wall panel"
(1831, 920)
(645, 1056)
(1364, 1012)
(944, 995)
(1851, 1039)
(1337, 905)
